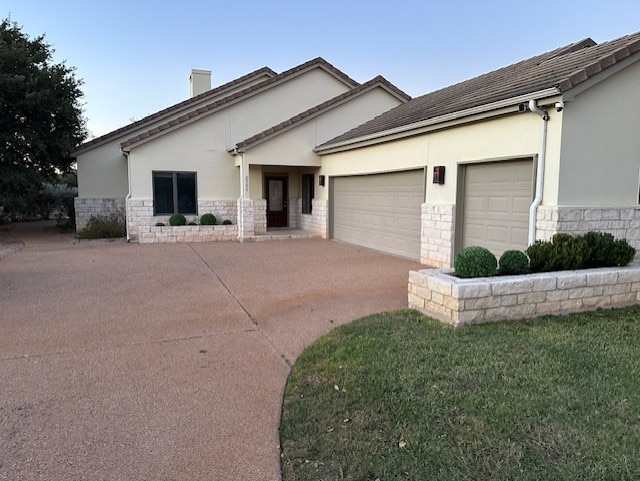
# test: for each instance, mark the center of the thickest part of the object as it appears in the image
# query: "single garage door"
(496, 201)
(380, 211)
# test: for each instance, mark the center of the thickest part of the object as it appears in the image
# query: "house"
(545, 145)
(242, 151)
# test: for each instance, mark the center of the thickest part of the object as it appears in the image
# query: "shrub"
(563, 252)
(621, 253)
(160, 224)
(226, 222)
(606, 251)
(513, 262)
(192, 223)
(208, 219)
(104, 227)
(475, 261)
(177, 219)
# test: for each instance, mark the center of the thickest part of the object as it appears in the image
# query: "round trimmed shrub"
(208, 219)
(475, 261)
(192, 223)
(513, 262)
(177, 219)
(226, 222)
(160, 224)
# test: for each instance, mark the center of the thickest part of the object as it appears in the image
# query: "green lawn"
(400, 396)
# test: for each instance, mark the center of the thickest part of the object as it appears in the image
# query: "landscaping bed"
(442, 295)
(398, 396)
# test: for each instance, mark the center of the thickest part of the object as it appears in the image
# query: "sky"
(134, 57)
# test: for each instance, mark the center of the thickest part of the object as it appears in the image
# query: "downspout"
(128, 197)
(243, 173)
(544, 115)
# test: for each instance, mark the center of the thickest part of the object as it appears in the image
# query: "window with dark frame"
(174, 193)
(307, 193)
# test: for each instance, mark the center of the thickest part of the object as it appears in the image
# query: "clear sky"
(135, 56)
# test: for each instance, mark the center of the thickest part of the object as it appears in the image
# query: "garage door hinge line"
(251, 318)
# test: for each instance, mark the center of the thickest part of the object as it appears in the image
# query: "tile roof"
(562, 69)
(319, 109)
(214, 106)
(264, 71)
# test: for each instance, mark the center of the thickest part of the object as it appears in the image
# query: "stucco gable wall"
(102, 172)
(295, 146)
(282, 102)
(600, 143)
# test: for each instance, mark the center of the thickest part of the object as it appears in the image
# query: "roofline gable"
(313, 112)
(173, 109)
(236, 97)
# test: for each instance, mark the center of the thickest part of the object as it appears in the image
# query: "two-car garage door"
(380, 211)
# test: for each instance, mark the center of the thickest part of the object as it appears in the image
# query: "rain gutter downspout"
(128, 197)
(544, 115)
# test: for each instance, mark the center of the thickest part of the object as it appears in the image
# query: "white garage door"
(497, 196)
(380, 211)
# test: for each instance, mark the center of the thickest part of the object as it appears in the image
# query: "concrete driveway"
(166, 362)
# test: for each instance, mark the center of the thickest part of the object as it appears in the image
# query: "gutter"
(544, 115)
(128, 197)
(429, 124)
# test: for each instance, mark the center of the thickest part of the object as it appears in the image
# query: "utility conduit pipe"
(544, 115)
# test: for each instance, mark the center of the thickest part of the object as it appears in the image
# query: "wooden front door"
(276, 188)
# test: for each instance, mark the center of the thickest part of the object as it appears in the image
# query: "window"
(307, 193)
(174, 193)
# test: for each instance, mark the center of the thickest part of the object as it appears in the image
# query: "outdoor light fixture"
(321, 180)
(438, 174)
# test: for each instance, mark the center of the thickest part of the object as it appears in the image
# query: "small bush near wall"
(513, 262)
(177, 219)
(475, 261)
(226, 222)
(208, 219)
(104, 227)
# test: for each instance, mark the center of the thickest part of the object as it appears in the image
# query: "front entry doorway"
(276, 189)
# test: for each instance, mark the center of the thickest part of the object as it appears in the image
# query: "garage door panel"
(496, 204)
(380, 211)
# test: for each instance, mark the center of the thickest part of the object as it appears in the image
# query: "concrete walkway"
(167, 362)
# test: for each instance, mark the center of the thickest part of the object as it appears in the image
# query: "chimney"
(199, 81)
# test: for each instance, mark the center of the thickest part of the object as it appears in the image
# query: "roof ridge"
(209, 107)
(183, 103)
(319, 108)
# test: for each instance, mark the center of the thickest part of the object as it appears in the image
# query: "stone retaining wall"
(187, 233)
(93, 207)
(461, 301)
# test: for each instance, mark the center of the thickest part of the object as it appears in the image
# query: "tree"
(41, 118)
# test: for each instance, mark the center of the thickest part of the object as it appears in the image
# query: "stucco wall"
(102, 172)
(514, 135)
(601, 145)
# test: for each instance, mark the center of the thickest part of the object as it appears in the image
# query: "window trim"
(310, 194)
(174, 179)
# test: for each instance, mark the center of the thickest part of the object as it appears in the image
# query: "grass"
(399, 396)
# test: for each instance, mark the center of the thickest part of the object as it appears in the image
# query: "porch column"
(245, 204)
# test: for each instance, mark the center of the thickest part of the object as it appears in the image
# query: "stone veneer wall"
(140, 213)
(461, 301)
(622, 222)
(437, 234)
(88, 207)
(187, 233)
(317, 221)
(260, 216)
